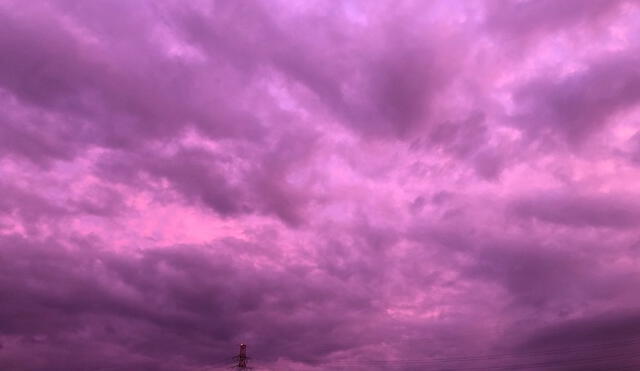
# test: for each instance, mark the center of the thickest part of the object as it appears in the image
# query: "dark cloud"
(164, 305)
(523, 19)
(337, 185)
(230, 184)
(379, 88)
(608, 327)
(602, 342)
(535, 276)
(489, 164)
(109, 93)
(22, 136)
(573, 209)
(581, 104)
(632, 152)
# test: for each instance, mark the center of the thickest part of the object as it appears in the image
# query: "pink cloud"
(333, 184)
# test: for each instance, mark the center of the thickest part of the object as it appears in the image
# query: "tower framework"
(242, 358)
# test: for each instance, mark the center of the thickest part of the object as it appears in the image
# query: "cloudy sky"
(442, 185)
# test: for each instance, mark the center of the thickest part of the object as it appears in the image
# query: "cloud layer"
(356, 185)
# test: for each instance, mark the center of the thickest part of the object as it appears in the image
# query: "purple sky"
(331, 182)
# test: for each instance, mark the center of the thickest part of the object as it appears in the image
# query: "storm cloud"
(357, 185)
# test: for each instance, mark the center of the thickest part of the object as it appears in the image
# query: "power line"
(505, 367)
(596, 346)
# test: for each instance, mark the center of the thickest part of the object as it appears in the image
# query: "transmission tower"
(242, 358)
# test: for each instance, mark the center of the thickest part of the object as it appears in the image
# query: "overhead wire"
(502, 358)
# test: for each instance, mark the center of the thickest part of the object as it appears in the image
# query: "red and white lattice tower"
(242, 357)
